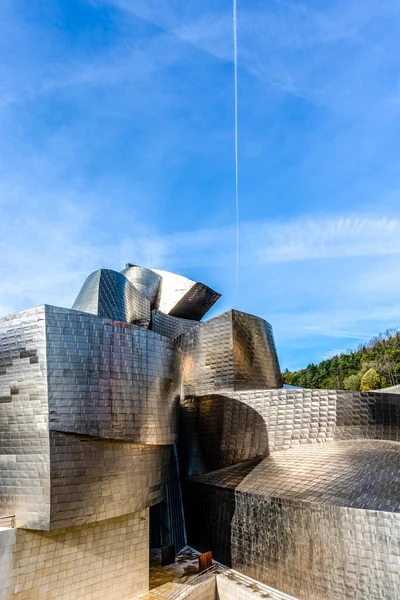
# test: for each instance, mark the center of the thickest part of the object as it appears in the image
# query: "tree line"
(373, 365)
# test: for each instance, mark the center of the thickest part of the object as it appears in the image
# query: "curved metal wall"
(317, 521)
(233, 351)
(116, 381)
(221, 430)
(184, 298)
(146, 281)
(107, 293)
(98, 385)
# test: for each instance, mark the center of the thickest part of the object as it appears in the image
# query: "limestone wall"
(107, 560)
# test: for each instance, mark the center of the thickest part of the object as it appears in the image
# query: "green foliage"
(371, 380)
(352, 382)
(347, 370)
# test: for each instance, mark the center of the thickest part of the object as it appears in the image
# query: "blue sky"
(116, 145)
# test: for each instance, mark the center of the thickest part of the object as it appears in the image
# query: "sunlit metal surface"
(146, 281)
(319, 521)
(107, 293)
(94, 479)
(182, 297)
(234, 351)
(116, 381)
(170, 326)
(297, 488)
(62, 370)
(221, 430)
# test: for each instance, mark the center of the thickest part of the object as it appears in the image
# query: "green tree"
(352, 382)
(287, 377)
(371, 380)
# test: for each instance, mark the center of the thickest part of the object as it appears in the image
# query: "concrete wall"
(107, 560)
(7, 542)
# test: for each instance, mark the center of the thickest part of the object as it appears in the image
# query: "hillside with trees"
(372, 366)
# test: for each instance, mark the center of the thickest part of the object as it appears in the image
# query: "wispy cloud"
(327, 237)
(117, 145)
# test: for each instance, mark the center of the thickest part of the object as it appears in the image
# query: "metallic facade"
(184, 298)
(170, 326)
(146, 281)
(234, 351)
(68, 380)
(221, 430)
(110, 379)
(318, 521)
(107, 293)
(296, 488)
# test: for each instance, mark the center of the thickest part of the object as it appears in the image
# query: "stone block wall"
(108, 560)
(7, 542)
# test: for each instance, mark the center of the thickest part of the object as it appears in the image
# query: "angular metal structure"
(81, 397)
(296, 488)
(107, 293)
(234, 351)
(146, 281)
(184, 298)
(170, 326)
(221, 430)
(319, 521)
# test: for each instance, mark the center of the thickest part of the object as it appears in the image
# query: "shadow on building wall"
(215, 433)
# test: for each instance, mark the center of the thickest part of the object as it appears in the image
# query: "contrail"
(236, 142)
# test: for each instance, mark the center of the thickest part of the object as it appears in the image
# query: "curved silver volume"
(146, 281)
(107, 293)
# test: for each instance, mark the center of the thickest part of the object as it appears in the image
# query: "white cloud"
(324, 238)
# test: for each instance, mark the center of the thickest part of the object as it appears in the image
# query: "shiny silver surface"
(297, 488)
(311, 501)
(184, 298)
(319, 521)
(146, 281)
(221, 430)
(170, 326)
(62, 370)
(110, 379)
(94, 479)
(234, 351)
(107, 293)
(24, 437)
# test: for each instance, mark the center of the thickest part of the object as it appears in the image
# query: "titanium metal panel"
(107, 293)
(221, 430)
(54, 368)
(233, 351)
(94, 479)
(146, 281)
(316, 521)
(111, 380)
(24, 437)
(184, 298)
(168, 325)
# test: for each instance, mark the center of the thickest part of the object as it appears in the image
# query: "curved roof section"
(354, 474)
(107, 293)
(184, 298)
(146, 281)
